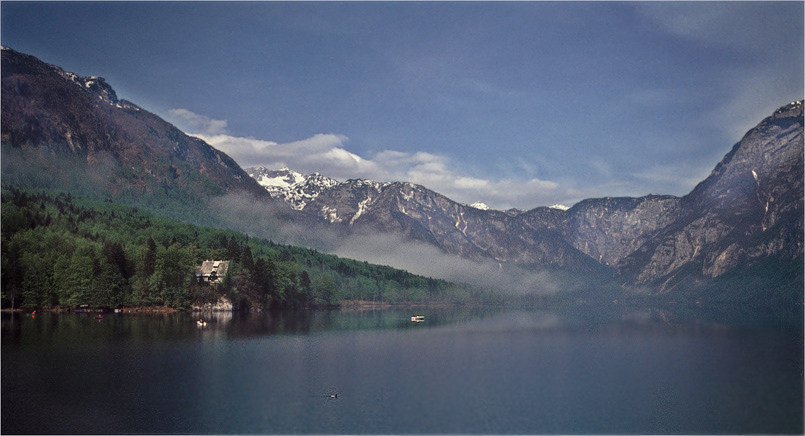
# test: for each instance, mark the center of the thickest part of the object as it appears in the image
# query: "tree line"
(60, 250)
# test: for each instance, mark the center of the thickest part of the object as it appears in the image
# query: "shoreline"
(144, 309)
(345, 305)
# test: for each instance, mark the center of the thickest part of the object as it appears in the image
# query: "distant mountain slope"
(418, 213)
(53, 120)
(293, 187)
(748, 210)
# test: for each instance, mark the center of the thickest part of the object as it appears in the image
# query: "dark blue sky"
(516, 104)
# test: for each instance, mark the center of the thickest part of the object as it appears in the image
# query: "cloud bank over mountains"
(326, 153)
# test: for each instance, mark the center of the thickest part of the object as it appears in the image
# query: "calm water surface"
(580, 370)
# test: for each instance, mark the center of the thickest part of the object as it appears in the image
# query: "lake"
(489, 370)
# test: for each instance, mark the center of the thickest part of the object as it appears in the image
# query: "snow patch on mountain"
(361, 209)
(94, 84)
(295, 188)
(479, 205)
(559, 207)
(281, 179)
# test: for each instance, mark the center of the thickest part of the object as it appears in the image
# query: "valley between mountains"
(737, 236)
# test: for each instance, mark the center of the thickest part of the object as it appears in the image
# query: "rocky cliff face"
(609, 229)
(749, 209)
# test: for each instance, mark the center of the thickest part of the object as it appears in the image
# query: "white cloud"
(314, 154)
(192, 122)
(326, 153)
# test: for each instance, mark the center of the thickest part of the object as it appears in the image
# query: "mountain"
(60, 130)
(740, 226)
(293, 187)
(364, 206)
(569, 238)
(747, 212)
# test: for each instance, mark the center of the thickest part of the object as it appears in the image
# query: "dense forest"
(65, 251)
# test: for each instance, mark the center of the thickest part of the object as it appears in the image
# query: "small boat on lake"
(418, 318)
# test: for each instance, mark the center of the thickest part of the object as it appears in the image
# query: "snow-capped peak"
(559, 207)
(294, 187)
(479, 205)
(282, 178)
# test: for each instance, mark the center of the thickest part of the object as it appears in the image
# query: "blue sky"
(515, 104)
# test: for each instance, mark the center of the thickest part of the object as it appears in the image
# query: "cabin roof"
(208, 266)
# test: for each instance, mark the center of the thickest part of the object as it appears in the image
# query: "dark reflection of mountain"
(313, 322)
(67, 329)
(732, 315)
(74, 330)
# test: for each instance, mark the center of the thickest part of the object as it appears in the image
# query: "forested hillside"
(60, 250)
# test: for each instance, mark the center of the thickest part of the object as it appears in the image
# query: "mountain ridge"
(51, 115)
(750, 207)
(748, 212)
(624, 234)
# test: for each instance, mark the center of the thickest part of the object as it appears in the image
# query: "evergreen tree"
(233, 249)
(304, 281)
(263, 278)
(246, 258)
(150, 257)
(173, 272)
(37, 282)
(12, 273)
(115, 255)
(76, 282)
(324, 290)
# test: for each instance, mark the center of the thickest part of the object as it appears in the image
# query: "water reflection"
(581, 369)
(60, 329)
(221, 318)
(249, 324)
